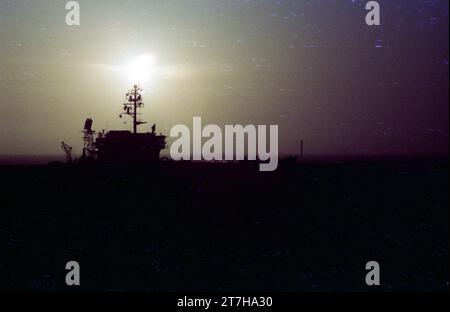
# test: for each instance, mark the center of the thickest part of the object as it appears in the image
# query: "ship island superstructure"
(122, 146)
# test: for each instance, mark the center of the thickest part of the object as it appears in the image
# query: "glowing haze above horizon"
(312, 67)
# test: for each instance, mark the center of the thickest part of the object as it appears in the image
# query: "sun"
(142, 70)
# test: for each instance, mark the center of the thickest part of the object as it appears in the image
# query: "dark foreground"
(227, 227)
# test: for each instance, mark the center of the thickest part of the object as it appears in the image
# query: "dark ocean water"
(226, 227)
(30, 159)
(45, 159)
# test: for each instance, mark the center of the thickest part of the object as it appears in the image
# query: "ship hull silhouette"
(125, 146)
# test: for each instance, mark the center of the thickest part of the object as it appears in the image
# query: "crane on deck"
(68, 150)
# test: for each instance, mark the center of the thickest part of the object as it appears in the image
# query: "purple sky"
(312, 67)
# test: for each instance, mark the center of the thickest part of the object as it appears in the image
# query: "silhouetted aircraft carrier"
(117, 146)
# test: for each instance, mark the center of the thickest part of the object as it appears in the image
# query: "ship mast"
(134, 101)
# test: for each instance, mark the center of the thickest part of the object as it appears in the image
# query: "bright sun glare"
(143, 69)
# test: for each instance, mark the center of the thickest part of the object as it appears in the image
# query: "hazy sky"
(312, 67)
